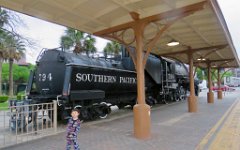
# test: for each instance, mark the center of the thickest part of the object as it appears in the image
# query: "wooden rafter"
(166, 15)
(169, 3)
(234, 66)
(192, 27)
(174, 58)
(212, 61)
(196, 50)
(157, 36)
(226, 62)
(134, 15)
(213, 51)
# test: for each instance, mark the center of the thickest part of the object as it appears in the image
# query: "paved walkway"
(173, 128)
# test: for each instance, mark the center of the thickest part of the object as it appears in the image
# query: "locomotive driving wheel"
(181, 93)
(104, 110)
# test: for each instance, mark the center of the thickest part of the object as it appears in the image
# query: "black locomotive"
(95, 84)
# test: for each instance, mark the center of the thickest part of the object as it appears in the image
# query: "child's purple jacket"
(73, 128)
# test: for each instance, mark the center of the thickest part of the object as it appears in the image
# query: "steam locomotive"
(93, 85)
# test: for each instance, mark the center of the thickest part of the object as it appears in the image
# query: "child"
(73, 128)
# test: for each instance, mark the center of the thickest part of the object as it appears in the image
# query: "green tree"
(78, 41)
(15, 49)
(12, 45)
(201, 73)
(4, 19)
(107, 50)
(89, 44)
(20, 73)
(112, 48)
(73, 39)
(3, 54)
(116, 48)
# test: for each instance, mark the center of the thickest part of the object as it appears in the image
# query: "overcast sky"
(231, 10)
(47, 35)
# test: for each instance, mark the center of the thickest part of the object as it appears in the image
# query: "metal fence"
(24, 123)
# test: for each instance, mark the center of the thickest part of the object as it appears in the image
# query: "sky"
(47, 35)
(231, 11)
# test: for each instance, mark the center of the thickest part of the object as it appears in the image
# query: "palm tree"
(116, 48)
(72, 39)
(107, 49)
(4, 19)
(78, 41)
(2, 55)
(112, 48)
(12, 45)
(15, 49)
(89, 44)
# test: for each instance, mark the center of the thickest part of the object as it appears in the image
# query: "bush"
(3, 98)
(20, 96)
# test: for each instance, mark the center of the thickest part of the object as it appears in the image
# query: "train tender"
(95, 84)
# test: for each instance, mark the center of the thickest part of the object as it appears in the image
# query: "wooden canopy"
(198, 25)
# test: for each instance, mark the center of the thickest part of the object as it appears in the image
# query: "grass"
(4, 106)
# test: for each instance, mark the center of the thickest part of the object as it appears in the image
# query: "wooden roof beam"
(226, 62)
(197, 32)
(230, 66)
(189, 24)
(166, 15)
(217, 47)
(134, 15)
(211, 52)
(212, 61)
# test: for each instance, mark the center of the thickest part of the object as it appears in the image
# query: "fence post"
(55, 115)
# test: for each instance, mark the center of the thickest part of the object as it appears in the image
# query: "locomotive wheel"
(104, 110)
(174, 95)
(182, 93)
(83, 114)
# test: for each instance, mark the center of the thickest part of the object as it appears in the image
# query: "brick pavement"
(173, 128)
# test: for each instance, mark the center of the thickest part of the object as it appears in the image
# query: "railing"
(22, 123)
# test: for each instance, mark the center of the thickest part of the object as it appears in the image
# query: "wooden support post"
(210, 95)
(220, 96)
(192, 99)
(142, 120)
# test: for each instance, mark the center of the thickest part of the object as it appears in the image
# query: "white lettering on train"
(104, 79)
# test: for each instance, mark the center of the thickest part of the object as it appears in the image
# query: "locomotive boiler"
(93, 85)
